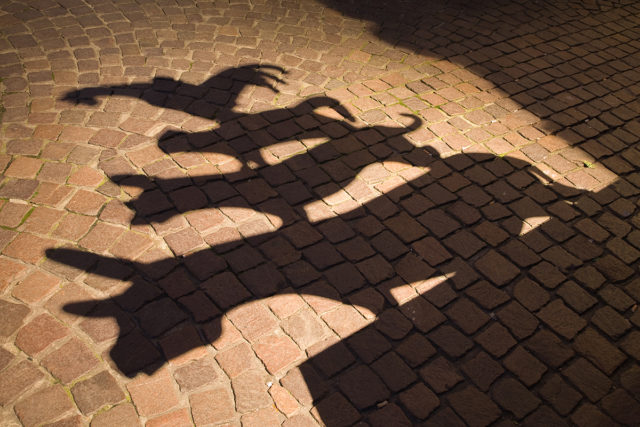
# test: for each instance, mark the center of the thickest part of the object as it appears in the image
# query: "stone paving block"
(496, 268)
(212, 406)
(590, 415)
(610, 322)
(86, 202)
(295, 382)
(395, 373)
(153, 395)
(576, 297)
(70, 361)
(28, 248)
(449, 339)
(474, 406)
(304, 419)
(39, 333)
(467, 315)
(180, 417)
(71, 421)
(264, 416)
(519, 321)
(440, 375)
(195, 374)
(561, 319)
(159, 316)
(250, 390)
(283, 400)
(588, 379)
(35, 287)
(277, 352)
(124, 414)
(616, 298)
(420, 400)
(182, 345)
(514, 397)
(344, 320)
(621, 406)
(331, 356)
(304, 328)
(562, 396)
(496, 339)
(237, 359)
(12, 214)
(16, 380)
(12, 317)
(342, 412)
(101, 237)
(95, 392)
(630, 345)
(44, 405)
(5, 358)
(132, 354)
(487, 295)
(597, 349)
(483, 370)
(543, 416)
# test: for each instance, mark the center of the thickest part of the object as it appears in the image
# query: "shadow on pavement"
(451, 266)
(555, 59)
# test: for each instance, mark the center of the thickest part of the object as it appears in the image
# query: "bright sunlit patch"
(329, 113)
(267, 158)
(318, 211)
(394, 291)
(395, 166)
(286, 149)
(404, 294)
(360, 191)
(315, 141)
(237, 214)
(428, 285)
(275, 220)
(532, 223)
(258, 226)
(217, 158)
(374, 173)
(367, 313)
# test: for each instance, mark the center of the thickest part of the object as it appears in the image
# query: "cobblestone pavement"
(319, 212)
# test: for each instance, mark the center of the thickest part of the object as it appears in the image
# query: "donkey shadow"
(451, 229)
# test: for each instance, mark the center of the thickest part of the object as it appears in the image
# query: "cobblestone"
(397, 217)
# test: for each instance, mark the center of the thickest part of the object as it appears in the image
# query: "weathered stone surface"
(96, 392)
(44, 405)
